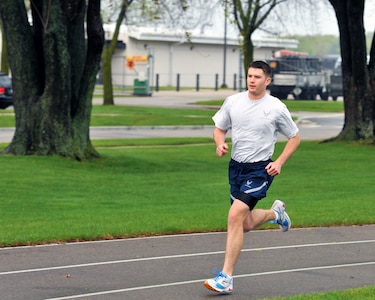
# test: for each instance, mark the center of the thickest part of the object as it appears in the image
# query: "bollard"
(197, 83)
(216, 82)
(234, 82)
(178, 83)
(157, 83)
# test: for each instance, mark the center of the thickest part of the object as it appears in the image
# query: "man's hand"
(273, 168)
(222, 149)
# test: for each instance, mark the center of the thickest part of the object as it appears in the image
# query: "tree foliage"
(269, 16)
(54, 66)
(249, 16)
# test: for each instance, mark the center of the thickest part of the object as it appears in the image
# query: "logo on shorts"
(248, 183)
(255, 189)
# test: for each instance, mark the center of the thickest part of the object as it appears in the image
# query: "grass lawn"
(365, 293)
(138, 190)
(297, 105)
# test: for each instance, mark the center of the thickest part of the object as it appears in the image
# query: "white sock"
(277, 215)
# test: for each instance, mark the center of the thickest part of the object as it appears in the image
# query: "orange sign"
(131, 59)
(140, 58)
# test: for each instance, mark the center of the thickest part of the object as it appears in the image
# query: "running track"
(271, 264)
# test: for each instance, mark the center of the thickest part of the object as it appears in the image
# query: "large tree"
(54, 66)
(358, 73)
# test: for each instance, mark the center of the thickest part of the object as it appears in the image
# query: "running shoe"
(222, 283)
(283, 219)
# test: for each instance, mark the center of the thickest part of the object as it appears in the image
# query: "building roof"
(194, 37)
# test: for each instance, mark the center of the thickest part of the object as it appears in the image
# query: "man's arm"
(219, 138)
(274, 168)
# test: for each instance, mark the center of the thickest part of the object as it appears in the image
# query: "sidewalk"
(173, 99)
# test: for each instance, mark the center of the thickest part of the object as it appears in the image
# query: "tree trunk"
(359, 96)
(248, 17)
(107, 54)
(53, 70)
(4, 55)
(248, 54)
(107, 76)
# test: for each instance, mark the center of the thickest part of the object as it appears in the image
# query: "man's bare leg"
(240, 220)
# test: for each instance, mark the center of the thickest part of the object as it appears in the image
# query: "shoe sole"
(208, 286)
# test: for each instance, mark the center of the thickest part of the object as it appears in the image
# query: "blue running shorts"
(249, 182)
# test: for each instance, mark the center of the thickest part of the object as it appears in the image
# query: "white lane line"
(178, 256)
(202, 280)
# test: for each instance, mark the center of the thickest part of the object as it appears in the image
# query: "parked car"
(6, 91)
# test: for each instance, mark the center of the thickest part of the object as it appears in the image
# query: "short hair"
(259, 64)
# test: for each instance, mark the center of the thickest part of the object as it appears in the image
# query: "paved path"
(271, 264)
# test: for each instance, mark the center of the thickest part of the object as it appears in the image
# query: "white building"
(172, 53)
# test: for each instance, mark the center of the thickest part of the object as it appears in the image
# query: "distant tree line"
(320, 45)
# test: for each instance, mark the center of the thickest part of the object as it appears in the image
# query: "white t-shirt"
(254, 125)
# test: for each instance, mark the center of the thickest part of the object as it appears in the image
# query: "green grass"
(7, 118)
(136, 142)
(365, 293)
(297, 105)
(314, 106)
(134, 191)
(155, 116)
(148, 116)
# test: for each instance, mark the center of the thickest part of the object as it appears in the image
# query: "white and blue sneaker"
(282, 217)
(222, 283)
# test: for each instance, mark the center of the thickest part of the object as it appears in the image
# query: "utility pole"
(224, 85)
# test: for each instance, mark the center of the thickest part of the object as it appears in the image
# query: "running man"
(255, 118)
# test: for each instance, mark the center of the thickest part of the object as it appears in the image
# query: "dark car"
(6, 91)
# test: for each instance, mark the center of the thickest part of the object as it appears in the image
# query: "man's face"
(257, 82)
